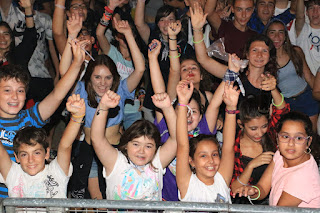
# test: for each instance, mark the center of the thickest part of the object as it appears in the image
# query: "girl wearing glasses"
(292, 178)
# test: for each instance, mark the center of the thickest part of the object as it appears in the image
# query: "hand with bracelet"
(108, 101)
(77, 107)
(230, 97)
(253, 192)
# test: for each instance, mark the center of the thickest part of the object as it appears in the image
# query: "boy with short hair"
(14, 82)
(32, 177)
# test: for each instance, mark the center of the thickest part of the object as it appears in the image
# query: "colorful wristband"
(232, 112)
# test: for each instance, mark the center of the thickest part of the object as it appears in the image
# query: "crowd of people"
(149, 113)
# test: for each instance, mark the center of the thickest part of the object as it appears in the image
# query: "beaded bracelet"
(189, 108)
(280, 103)
(197, 42)
(60, 6)
(81, 122)
(176, 56)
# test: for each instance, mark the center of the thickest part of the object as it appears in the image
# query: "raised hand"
(161, 100)
(198, 18)
(74, 25)
(174, 28)
(113, 4)
(109, 100)
(232, 63)
(263, 158)
(154, 49)
(122, 26)
(245, 191)
(78, 50)
(76, 105)
(269, 82)
(25, 3)
(230, 95)
(184, 91)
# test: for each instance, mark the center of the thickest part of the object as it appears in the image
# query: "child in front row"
(134, 170)
(31, 177)
(210, 174)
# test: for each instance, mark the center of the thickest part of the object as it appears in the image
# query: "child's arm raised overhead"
(57, 25)
(169, 149)
(230, 98)
(50, 104)
(141, 25)
(74, 25)
(183, 169)
(155, 72)
(106, 153)
(174, 29)
(137, 57)
(198, 19)
(76, 106)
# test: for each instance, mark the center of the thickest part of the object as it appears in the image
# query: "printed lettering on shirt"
(315, 42)
(7, 137)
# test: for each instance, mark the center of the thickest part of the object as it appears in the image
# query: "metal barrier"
(13, 205)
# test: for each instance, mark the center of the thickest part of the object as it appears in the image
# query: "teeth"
(13, 104)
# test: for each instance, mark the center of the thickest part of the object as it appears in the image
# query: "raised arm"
(174, 29)
(300, 17)
(74, 25)
(26, 4)
(50, 104)
(157, 81)
(141, 25)
(169, 148)
(183, 175)
(198, 19)
(137, 57)
(213, 17)
(106, 153)
(57, 25)
(76, 106)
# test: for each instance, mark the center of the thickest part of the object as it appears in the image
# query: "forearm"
(142, 27)
(157, 81)
(66, 58)
(229, 131)
(171, 118)
(174, 74)
(98, 126)
(137, 57)
(54, 56)
(278, 99)
(70, 133)
(243, 178)
(29, 20)
(103, 41)
(57, 26)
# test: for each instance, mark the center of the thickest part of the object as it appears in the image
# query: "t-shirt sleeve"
(286, 16)
(13, 173)
(163, 129)
(156, 162)
(57, 170)
(123, 90)
(35, 117)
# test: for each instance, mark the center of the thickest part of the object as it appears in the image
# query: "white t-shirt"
(218, 192)
(309, 41)
(50, 183)
(43, 24)
(125, 183)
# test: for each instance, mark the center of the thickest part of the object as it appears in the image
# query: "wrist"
(232, 110)
(110, 8)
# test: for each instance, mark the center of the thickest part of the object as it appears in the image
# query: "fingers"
(159, 96)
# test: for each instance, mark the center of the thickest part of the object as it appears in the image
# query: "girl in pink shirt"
(293, 176)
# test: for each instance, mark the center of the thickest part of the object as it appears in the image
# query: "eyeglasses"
(78, 6)
(283, 138)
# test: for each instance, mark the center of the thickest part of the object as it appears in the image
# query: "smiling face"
(265, 10)
(242, 10)
(255, 128)
(32, 158)
(276, 32)
(12, 97)
(259, 54)
(141, 150)
(190, 70)
(206, 161)
(101, 80)
(164, 23)
(5, 39)
(293, 153)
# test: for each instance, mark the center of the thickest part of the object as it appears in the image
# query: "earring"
(307, 152)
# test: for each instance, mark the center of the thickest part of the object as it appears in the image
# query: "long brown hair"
(288, 47)
(99, 60)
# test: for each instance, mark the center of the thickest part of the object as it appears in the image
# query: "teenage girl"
(134, 171)
(293, 175)
(209, 177)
